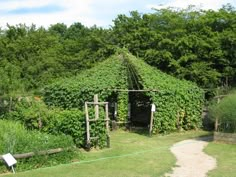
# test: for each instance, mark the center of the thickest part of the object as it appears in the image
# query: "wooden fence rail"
(31, 154)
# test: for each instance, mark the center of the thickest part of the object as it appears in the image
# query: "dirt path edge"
(191, 160)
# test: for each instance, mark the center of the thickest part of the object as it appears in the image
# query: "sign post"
(153, 109)
(10, 161)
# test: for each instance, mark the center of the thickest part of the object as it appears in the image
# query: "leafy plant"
(31, 112)
(75, 91)
(225, 112)
(16, 139)
(58, 121)
(179, 102)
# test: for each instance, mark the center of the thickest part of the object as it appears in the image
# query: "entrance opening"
(140, 109)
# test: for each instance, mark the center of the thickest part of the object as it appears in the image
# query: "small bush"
(35, 115)
(15, 139)
(72, 122)
(225, 112)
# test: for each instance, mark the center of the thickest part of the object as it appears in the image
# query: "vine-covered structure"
(131, 86)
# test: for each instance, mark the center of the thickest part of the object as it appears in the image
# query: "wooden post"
(106, 119)
(151, 123)
(87, 126)
(217, 120)
(115, 111)
(96, 107)
(129, 111)
(153, 109)
(107, 125)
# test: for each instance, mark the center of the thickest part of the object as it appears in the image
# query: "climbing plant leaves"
(179, 102)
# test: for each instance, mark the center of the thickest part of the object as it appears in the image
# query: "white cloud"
(74, 11)
(204, 4)
(88, 12)
(14, 4)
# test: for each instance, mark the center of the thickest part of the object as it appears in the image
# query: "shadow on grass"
(140, 130)
(144, 131)
(207, 138)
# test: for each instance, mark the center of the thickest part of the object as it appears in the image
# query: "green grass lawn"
(131, 154)
(225, 155)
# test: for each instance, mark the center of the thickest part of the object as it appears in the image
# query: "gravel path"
(191, 160)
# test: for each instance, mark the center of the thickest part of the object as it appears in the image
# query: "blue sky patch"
(42, 10)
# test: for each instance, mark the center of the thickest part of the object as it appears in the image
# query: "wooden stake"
(107, 125)
(217, 121)
(87, 125)
(151, 123)
(96, 107)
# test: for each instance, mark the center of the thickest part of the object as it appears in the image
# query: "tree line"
(193, 44)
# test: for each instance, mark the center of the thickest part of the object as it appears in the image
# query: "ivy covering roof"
(179, 102)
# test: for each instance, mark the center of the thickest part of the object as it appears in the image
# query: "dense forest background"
(192, 44)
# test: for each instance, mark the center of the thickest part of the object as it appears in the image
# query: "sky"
(88, 12)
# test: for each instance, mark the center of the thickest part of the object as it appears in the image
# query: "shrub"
(225, 112)
(15, 139)
(69, 122)
(72, 122)
(57, 121)
(32, 113)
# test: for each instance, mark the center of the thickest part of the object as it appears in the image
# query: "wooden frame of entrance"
(96, 107)
(146, 90)
(126, 90)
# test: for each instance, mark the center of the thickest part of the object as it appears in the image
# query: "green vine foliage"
(72, 122)
(122, 106)
(74, 92)
(179, 102)
(58, 121)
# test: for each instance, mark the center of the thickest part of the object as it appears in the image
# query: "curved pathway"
(191, 160)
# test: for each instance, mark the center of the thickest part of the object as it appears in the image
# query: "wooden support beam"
(151, 123)
(126, 90)
(107, 125)
(31, 154)
(87, 125)
(96, 109)
(99, 103)
(217, 119)
(88, 120)
(153, 109)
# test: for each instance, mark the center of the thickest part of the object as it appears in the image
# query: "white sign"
(9, 159)
(153, 108)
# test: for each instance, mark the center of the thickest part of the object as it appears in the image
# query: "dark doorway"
(140, 109)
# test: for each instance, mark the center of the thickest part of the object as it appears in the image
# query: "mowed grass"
(131, 155)
(225, 155)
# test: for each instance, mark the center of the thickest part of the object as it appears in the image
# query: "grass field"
(131, 154)
(225, 155)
